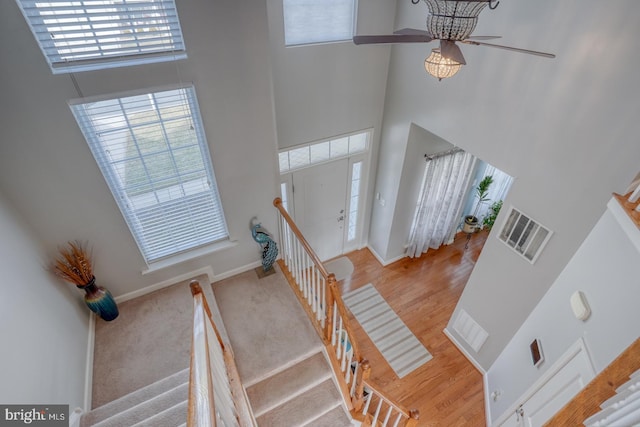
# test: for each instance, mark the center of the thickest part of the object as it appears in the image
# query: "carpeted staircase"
(300, 395)
(161, 404)
(279, 356)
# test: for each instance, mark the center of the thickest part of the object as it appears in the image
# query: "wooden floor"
(423, 291)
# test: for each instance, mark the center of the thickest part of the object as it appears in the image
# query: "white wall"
(420, 142)
(605, 269)
(43, 323)
(565, 128)
(50, 176)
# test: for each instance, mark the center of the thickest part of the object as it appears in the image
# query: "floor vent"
(470, 331)
(524, 235)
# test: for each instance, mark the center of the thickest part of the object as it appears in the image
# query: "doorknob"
(341, 211)
(341, 218)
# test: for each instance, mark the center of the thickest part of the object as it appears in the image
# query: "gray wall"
(565, 128)
(43, 323)
(603, 268)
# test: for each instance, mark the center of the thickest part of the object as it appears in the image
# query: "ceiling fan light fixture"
(439, 66)
(453, 20)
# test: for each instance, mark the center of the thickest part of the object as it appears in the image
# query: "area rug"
(400, 348)
(342, 267)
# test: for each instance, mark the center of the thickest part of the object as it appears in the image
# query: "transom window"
(303, 156)
(152, 151)
(313, 21)
(82, 35)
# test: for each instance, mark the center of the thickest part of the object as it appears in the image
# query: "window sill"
(188, 256)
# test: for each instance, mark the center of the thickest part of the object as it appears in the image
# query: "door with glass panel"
(327, 205)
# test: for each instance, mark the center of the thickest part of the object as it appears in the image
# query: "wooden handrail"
(342, 310)
(277, 202)
(201, 411)
(351, 386)
(202, 407)
(409, 414)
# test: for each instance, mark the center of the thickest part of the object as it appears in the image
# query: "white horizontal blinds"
(153, 153)
(91, 34)
(313, 21)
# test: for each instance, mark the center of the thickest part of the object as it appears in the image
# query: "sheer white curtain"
(444, 190)
(497, 191)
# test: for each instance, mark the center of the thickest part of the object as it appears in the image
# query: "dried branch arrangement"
(74, 264)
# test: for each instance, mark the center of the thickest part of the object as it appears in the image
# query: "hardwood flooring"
(447, 390)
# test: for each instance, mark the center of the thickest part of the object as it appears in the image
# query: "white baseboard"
(381, 260)
(487, 396)
(208, 270)
(464, 351)
(88, 370)
(236, 271)
(485, 379)
(74, 417)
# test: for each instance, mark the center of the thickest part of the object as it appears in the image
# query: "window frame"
(119, 191)
(124, 56)
(312, 41)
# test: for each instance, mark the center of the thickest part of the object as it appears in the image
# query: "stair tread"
(303, 408)
(284, 385)
(170, 417)
(147, 408)
(334, 418)
(135, 398)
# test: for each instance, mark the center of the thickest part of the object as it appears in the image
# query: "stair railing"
(215, 392)
(318, 292)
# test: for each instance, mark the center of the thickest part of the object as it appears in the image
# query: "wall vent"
(524, 235)
(469, 330)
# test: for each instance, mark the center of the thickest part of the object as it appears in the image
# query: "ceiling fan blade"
(412, 31)
(450, 50)
(393, 38)
(514, 49)
(483, 37)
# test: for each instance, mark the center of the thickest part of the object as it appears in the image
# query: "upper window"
(153, 154)
(303, 156)
(312, 21)
(82, 35)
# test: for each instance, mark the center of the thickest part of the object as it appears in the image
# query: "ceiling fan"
(448, 21)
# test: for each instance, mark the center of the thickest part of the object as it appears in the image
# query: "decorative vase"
(470, 224)
(100, 301)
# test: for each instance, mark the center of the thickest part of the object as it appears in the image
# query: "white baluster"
(398, 418)
(386, 419)
(375, 417)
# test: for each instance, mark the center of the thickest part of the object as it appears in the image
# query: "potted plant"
(481, 191)
(75, 266)
(490, 219)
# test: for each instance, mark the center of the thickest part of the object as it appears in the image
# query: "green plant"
(490, 219)
(482, 191)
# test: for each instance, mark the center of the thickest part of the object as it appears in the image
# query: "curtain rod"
(442, 153)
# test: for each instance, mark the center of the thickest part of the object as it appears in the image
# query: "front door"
(320, 194)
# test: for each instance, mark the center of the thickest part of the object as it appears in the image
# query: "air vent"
(524, 235)
(470, 330)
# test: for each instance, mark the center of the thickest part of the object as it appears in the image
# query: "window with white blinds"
(82, 35)
(312, 21)
(152, 151)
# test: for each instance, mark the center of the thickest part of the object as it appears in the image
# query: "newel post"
(364, 373)
(329, 289)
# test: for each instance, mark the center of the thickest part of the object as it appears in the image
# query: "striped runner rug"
(400, 348)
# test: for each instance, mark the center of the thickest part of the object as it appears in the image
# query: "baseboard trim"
(381, 260)
(88, 370)
(487, 396)
(236, 271)
(464, 351)
(208, 270)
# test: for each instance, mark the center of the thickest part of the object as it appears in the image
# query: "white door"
(564, 380)
(319, 195)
